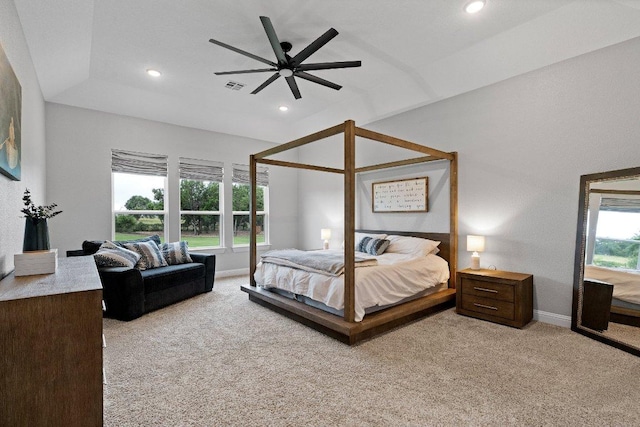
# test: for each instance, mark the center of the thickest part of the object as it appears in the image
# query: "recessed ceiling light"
(154, 73)
(474, 6)
(283, 108)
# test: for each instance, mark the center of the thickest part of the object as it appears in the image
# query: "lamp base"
(325, 245)
(475, 262)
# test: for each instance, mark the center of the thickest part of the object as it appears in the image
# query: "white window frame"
(115, 212)
(240, 176)
(142, 164)
(219, 212)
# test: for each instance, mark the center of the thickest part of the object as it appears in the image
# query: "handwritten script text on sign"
(408, 195)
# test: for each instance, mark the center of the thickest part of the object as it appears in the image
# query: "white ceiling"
(93, 54)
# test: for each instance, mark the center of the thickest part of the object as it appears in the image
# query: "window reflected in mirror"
(610, 292)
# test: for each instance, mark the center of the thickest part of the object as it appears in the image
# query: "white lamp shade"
(475, 243)
(325, 233)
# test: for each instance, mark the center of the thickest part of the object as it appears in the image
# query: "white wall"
(79, 174)
(523, 144)
(33, 140)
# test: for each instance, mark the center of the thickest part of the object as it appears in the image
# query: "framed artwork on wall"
(403, 195)
(10, 120)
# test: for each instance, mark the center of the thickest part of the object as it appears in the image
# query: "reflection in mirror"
(607, 270)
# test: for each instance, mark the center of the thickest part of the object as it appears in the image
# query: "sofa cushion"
(90, 247)
(150, 255)
(176, 252)
(162, 278)
(110, 255)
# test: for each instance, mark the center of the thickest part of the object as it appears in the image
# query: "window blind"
(620, 204)
(205, 170)
(241, 175)
(140, 163)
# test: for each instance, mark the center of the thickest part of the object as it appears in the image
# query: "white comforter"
(626, 284)
(397, 276)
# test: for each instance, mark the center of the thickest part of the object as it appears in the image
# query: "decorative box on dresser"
(51, 347)
(498, 296)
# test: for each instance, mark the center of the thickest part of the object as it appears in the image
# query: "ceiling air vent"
(234, 85)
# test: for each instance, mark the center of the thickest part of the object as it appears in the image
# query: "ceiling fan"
(287, 66)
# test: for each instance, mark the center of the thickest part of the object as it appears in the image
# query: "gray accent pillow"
(150, 255)
(176, 252)
(110, 255)
(372, 246)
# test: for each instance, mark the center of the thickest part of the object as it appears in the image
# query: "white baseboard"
(231, 273)
(552, 318)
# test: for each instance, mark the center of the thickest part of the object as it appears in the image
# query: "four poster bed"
(420, 267)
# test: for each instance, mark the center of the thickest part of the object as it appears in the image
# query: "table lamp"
(325, 234)
(475, 244)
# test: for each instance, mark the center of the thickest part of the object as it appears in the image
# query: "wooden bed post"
(453, 219)
(253, 222)
(349, 219)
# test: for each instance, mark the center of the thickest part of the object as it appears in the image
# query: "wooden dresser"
(51, 347)
(498, 296)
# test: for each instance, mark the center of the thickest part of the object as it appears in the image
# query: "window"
(200, 202)
(241, 213)
(139, 183)
(617, 241)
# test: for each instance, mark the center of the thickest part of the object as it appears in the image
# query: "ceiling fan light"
(285, 72)
(474, 6)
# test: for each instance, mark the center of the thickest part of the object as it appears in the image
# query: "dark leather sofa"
(129, 293)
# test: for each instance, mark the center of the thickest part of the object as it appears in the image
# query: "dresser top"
(509, 275)
(74, 274)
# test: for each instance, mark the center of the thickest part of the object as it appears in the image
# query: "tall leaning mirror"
(606, 287)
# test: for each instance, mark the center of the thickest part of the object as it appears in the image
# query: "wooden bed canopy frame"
(346, 329)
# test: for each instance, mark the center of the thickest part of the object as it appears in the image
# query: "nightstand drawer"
(491, 307)
(484, 289)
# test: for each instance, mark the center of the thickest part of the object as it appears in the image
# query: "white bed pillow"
(412, 245)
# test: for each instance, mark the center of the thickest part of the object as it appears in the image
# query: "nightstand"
(497, 296)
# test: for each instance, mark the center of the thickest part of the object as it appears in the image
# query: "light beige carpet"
(221, 360)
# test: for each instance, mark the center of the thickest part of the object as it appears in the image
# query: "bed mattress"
(395, 278)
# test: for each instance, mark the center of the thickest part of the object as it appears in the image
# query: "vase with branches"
(36, 231)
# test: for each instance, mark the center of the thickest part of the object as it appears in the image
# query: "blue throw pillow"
(372, 246)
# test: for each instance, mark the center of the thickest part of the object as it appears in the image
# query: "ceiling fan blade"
(329, 65)
(273, 39)
(242, 52)
(294, 87)
(318, 80)
(257, 70)
(315, 45)
(266, 83)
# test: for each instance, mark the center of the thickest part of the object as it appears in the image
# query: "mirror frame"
(581, 238)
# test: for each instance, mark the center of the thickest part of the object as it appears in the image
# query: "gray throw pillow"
(176, 252)
(150, 255)
(110, 255)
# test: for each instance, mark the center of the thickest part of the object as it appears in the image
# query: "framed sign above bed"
(403, 195)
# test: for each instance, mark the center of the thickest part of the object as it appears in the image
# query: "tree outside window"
(242, 217)
(200, 216)
(142, 213)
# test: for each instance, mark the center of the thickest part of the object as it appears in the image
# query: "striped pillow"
(372, 246)
(150, 255)
(176, 252)
(110, 255)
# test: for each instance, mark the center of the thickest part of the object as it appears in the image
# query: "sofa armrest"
(76, 252)
(209, 261)
(123, 292)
